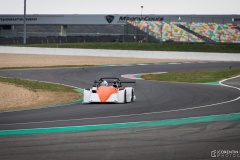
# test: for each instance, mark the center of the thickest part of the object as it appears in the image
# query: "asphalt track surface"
(155, 101)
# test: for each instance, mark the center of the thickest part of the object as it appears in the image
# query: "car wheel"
(132, 97)
(125, 97)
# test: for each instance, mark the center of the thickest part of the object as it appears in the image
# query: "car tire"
(132, 96)
(125, 96)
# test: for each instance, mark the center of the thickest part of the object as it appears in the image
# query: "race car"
(109, 90)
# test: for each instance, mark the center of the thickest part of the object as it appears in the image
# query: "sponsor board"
(81, 19)
(13, 19)
(123, 19)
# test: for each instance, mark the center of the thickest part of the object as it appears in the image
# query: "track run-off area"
(168, 120)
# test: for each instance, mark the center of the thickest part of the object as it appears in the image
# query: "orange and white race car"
(109, 90)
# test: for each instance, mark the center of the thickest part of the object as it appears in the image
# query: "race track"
(155, 101)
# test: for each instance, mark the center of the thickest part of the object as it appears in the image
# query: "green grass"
(219, 48)
(35, 85)
(194, 76)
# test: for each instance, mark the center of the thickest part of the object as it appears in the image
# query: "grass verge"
(219, 48)
(18, 94)
(194, 76)
(35, 85)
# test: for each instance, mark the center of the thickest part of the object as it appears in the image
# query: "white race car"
(109, 90)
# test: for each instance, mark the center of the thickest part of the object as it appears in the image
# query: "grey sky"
(121, 6)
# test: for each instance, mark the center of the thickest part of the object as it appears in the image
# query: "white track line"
(42, 81)
(151, 113)
(221, 82)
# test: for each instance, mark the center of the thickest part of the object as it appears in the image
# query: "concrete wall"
(123, 53)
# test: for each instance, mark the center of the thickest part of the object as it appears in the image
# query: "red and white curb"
(138, 75)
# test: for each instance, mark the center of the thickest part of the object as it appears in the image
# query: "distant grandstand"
(121, 28)
(190, 32)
